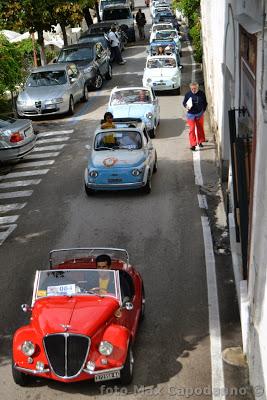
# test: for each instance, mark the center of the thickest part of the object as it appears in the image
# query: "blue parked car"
(121, 158)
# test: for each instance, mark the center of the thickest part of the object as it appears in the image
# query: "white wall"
(257, 290)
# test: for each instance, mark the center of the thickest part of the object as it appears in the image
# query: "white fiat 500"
(162, 73)
(159, 27)
(136, 102)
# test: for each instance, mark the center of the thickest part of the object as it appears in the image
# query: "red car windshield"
(72, 282)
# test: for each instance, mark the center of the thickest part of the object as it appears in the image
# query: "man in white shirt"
(115, 43)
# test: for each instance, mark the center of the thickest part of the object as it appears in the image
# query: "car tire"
(155, 168)
(71, 106)
(127, 371)
(20, 378)
(147, 188)
(85, 94)
(152, 133)
(108, 75)
(98, 81)
(177, 91)
(89, 191)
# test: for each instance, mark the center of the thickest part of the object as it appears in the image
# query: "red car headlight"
(28, 348)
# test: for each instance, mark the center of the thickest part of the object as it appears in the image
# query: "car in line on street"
(163, 73)
(170, 34)
(83, 319)
(159, 27)
(169, 47)
(17, 138)
(52, 89)
(121, 158)
(121, 14)
(167, 16)
(92, 60)
(136, 102)
(104, 3)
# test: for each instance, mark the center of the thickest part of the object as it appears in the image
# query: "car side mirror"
(127, 304)
(181, 66)
(25, 308)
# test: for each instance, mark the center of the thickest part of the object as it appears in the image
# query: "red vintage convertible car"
(83, 321)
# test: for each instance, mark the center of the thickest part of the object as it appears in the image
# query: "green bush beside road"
(191, 10)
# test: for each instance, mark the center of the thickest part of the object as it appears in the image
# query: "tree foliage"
(191, 10)
(11, 71)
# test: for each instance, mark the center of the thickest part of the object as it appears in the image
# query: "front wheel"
(177, 91)
(85, 94)
(148, 186)
(152, 133)
(98, 81)
(20, 378)
(71, 106)
(127, 371)
(88, 191)
(108, 75)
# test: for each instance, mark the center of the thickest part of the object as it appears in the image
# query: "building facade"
(234, 36)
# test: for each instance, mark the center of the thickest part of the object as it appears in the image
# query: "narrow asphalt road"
(161, 231)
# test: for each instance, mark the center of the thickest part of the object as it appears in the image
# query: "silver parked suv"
(122, 15)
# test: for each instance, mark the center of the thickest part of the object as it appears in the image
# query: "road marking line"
(197, 168)
(214, 317)
(49, 148)
(9, 230)
(50, 133)
(202, 201)
(8, 185)
(24, 173)
(8, 220)
(34, 164)
(12, 207)
(53, 140)
(42, 155)
(12, 195)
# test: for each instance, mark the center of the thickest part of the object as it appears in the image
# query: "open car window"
(166, 34)
(131, 97)
(71, 282)
(118, 140)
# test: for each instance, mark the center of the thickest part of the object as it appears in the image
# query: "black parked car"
(104, 28)
(92, 59)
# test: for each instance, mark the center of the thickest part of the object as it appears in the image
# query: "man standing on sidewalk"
(140, 22)
(195, 102)
(115, 43)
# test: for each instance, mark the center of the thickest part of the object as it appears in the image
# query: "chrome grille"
(66, 353)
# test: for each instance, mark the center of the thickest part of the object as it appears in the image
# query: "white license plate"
(107, 376)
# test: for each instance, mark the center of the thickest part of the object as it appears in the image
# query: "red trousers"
(196, 130)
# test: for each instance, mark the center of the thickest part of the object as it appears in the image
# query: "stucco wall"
(257, 290)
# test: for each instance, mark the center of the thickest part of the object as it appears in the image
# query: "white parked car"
(162, 73)
(136, 102)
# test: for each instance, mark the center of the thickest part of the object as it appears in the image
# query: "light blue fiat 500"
(121, 158)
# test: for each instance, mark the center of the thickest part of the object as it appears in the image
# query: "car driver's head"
(103, 261)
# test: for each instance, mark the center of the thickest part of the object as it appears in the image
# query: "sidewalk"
(236, 377)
